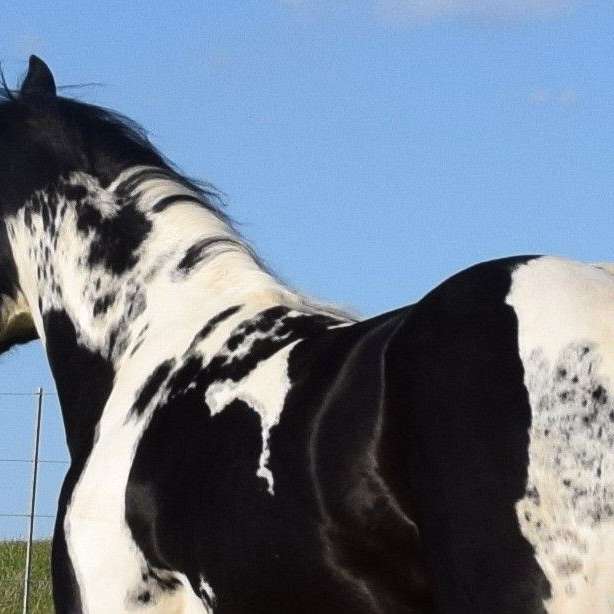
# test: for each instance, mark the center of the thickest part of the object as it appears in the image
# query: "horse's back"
(325, 533)
(449, 457)
(500, 382)
(370, 540)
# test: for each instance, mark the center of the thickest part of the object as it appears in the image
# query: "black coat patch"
(198, 252)
(102, 304)
(212, 324)
(151, 386)
(81, 409)
(115, 239)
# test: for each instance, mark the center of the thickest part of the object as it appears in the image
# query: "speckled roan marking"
(568, 509)
(238, 449)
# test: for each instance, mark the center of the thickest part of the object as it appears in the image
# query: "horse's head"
(28, 161)
(44, 140)
(88, 220)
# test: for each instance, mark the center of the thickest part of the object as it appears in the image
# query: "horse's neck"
(129, 280)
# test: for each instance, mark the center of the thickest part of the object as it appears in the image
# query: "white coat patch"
(206, 592)
(565, 331)
(264, 389)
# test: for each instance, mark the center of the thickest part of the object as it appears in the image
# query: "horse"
(237, 448)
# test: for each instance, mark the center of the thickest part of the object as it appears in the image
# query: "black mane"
(43, 140)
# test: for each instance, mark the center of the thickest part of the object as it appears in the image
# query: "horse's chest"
(199, 443)
(100, 544)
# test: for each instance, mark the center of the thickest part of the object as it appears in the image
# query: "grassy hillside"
(12, 562)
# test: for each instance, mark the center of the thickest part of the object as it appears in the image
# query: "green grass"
(12, 563)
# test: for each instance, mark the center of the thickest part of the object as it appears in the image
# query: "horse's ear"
(39, 81)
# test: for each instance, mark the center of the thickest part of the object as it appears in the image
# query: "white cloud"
(567, 97)
(326, 8)
(539, 96)
(420, 10)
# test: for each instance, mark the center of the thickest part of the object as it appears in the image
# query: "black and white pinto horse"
(238, 449)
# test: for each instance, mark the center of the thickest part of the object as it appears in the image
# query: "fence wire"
(35, 461)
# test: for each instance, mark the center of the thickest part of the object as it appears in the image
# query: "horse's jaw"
(16, 322)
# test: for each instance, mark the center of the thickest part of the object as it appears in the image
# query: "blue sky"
(368, 149)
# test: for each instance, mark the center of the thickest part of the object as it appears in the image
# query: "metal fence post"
(37, 432)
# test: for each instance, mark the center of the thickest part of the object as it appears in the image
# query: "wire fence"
(29, 515)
